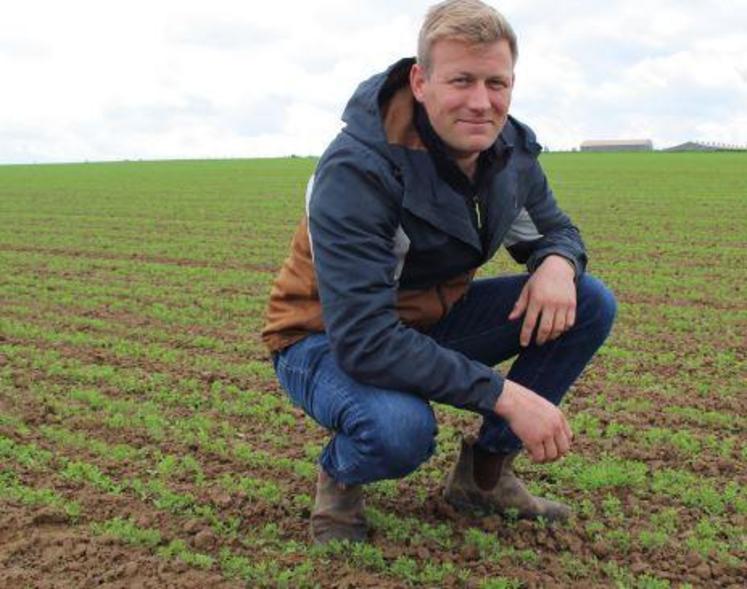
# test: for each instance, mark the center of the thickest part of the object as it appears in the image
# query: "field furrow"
(144, 439)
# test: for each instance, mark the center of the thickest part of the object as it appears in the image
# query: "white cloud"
(669, 71)
(91, 80)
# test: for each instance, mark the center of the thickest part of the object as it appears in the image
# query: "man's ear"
(417, 82)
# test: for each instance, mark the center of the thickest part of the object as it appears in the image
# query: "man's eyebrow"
(467, 74)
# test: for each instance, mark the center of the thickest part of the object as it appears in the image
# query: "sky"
(99, 80)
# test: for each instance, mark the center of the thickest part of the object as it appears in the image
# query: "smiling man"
(375, 314)
(466, 90)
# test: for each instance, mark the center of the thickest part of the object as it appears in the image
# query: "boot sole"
(484, 511)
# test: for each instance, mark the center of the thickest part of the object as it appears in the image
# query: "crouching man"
(375, 313)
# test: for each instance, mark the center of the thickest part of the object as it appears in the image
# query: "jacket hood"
(380, 114)
(367, 113)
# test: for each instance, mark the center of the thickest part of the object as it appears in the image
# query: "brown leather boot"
(338, 511)
(481, 481)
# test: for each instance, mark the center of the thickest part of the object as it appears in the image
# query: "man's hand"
(539, 424)
(550, 296)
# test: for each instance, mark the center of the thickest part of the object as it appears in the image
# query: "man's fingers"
(551, 450)
(521, 304)
(546, 325)
(537, 452)
(563, 443)
(558, 326)
(570, 317)
(567, 430)
(527, 328)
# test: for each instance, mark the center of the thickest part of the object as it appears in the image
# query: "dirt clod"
(470, 552)
(130, 569)
(600, 549)
(703, 570)
(192, 526)
(204, 540)
(693, 559)
(50, 516)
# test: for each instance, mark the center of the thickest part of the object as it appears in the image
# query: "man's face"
(467, 93)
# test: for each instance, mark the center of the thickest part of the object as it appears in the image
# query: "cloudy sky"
(97, 80)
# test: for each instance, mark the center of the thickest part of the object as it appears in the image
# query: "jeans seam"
(322, 379)
(315, 379)
(345, 470)
(288, 367)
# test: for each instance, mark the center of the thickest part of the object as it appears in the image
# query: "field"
(144, 441)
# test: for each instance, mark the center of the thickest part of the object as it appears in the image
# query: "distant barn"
(618, 145)
(703, 146)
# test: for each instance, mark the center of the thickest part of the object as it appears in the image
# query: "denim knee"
(597, 305)
(399, 443)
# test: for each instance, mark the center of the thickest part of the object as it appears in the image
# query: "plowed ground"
(144, 441)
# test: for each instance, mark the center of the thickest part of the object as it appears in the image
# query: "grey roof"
(616, 142)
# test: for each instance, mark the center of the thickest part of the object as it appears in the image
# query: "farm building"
(618, 145)
(701, 146)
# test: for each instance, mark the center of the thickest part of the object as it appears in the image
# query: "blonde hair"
(471, 21)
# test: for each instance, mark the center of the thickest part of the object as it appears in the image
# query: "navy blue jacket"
(394, 246)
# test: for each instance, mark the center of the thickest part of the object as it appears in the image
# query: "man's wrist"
(506, 400)
(567, 261)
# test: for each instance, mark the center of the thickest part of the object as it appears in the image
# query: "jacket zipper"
(476, 203)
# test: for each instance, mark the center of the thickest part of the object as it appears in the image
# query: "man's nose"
(479, 99)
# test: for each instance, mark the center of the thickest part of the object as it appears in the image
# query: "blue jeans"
(386, 434)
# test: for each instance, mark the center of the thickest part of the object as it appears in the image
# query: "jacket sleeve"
(353, 217)
(542, 228)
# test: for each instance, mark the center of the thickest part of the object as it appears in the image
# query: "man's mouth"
(475, 123)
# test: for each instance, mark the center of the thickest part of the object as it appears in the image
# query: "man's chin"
(471, 145)
(477, 145)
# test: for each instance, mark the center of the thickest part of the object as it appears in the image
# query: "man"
(375, 312)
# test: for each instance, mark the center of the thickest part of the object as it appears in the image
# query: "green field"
(145, 442)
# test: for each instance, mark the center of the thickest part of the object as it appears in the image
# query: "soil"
(42, 547)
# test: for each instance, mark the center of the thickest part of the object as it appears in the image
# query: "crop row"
(60, 293)
(259, 572)
(266, 571)
(229, 400)
(369, 557)
(575, 472)
(152, 393)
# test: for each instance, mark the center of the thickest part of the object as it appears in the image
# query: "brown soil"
(41, 547)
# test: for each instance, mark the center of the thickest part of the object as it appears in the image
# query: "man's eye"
(497, 84)
(460, 81)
